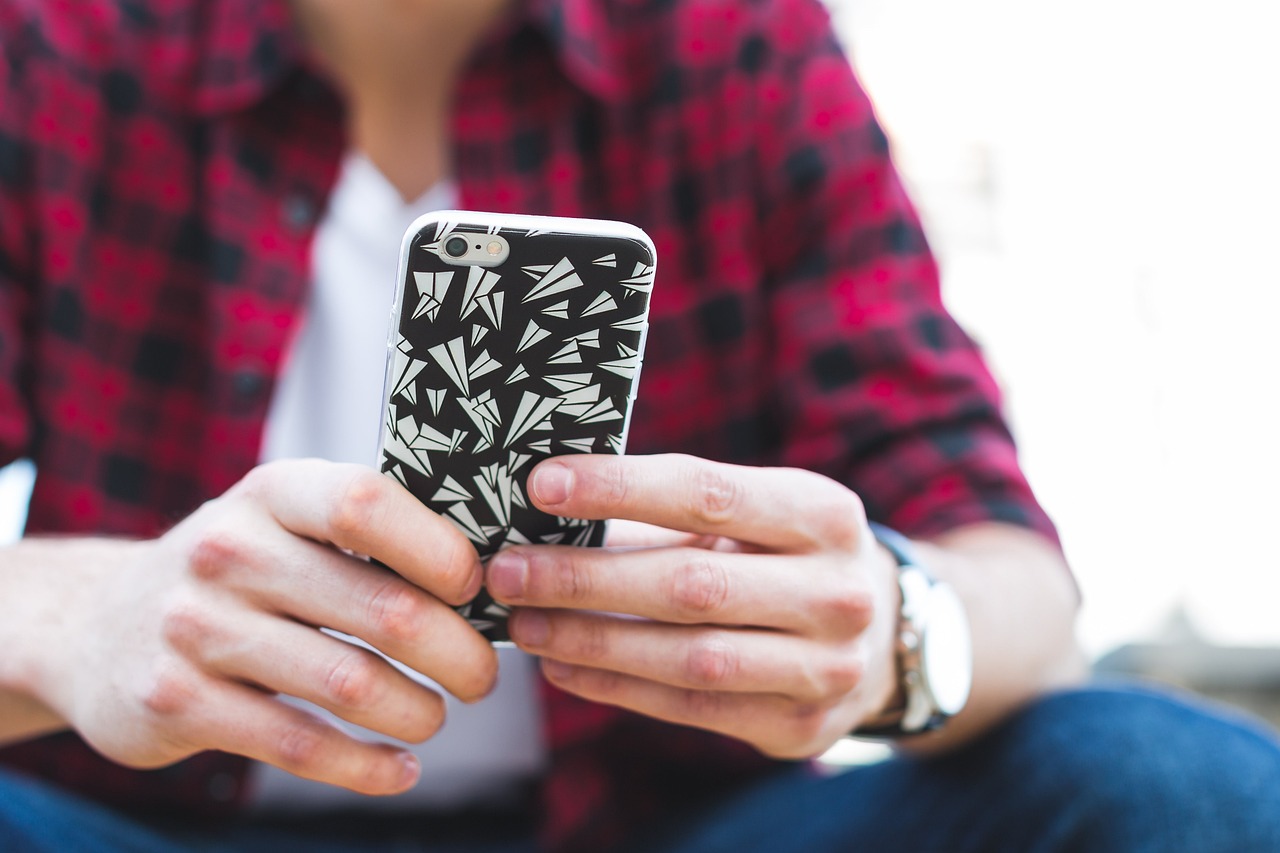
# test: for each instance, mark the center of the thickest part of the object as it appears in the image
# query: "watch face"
(945, 652)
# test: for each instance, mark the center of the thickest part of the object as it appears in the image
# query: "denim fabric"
(1102, 769)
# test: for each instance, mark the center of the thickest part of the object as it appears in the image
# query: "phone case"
(490, 371)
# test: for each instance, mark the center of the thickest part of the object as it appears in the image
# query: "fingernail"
(410, 769)
(508, 571)
(530, 628)
(552, 483)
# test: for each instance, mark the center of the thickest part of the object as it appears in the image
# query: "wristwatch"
(934, 655)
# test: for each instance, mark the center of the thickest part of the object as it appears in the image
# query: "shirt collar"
(249, 46)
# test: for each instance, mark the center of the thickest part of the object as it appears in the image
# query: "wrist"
(886, 689)
(58, 583)
(34, 637)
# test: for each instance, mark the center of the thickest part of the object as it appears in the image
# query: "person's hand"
(767, 609)
(180, 644)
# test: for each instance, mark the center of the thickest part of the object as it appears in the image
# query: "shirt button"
(222, 787)
(248, 384)
(298, 211)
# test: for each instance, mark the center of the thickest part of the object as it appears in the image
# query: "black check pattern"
(161, 168)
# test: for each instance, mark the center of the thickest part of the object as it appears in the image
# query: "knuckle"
(376, 773)
(301, 746)
(699, 587)
(426, 722)
(712, 662)
(216, 553)
(806, 723)
(848, 608)
(169, 691)
(253, 483)
(785, 750)
(352, 681)
(778, 748)
(841, 676)
(614, 486)
(572, 579)
(716, 496)
(396, 612)
(702, 705)
(456, 567)
(355, 511)
(479, 674)
(840, 517)
(588, 641)
(602, 685)
(185, 625)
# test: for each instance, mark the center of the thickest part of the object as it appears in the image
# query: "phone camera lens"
(455, 247)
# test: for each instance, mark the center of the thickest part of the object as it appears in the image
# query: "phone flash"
(495, 248)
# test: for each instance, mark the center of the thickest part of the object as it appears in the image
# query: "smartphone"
(513, 339)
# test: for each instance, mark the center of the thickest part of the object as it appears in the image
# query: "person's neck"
(397, 63)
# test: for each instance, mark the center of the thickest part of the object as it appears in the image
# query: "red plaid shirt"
(162, 165)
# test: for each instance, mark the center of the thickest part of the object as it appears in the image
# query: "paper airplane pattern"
(483, 412)
(641, 280)
(432, 288)
(630, 324)
(569, 381)
(452, 358)
(436, 396)
(480, 284)
(495, 369)
(430, 438)
(568, 354)
(560, 278)
(601, 304)
(467, 523)
(495, 485)
(452, 490)
(532, 411)
(405, 369)
(517, 375)
(579, 400)
(590, 338)
(602, 411)
(624, 367)
(492, 307)
(532, 334)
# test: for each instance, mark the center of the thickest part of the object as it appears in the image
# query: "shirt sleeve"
(15, 172)
(881, 388)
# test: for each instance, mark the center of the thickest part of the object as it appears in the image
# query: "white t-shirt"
(328, 404)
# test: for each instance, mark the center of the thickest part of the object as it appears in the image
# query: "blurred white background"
(1101, 181)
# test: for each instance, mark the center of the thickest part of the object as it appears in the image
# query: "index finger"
(360, 510)
(779, 508)
(625, 533)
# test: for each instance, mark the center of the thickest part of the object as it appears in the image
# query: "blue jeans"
(1101, 769)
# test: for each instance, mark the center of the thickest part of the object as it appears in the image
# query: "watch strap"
(905, 718)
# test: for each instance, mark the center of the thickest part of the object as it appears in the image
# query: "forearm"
(1021, 602)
